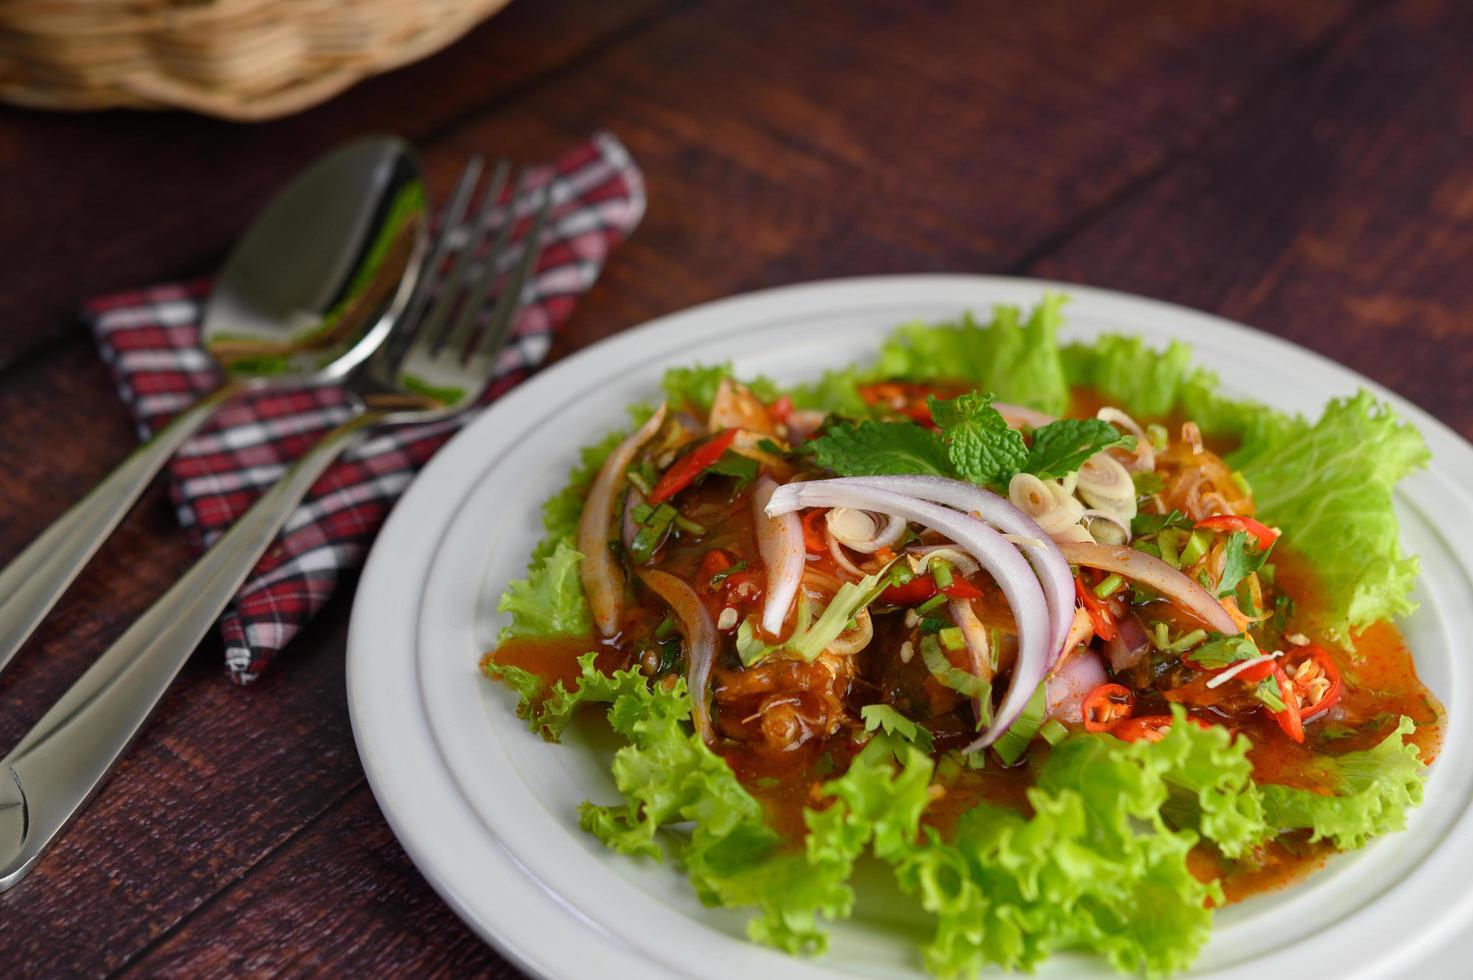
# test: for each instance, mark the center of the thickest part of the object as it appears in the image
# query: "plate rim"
(460, 453)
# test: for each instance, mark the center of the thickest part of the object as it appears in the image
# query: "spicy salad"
(1077, 645)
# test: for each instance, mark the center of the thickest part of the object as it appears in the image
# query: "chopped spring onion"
(1156, 435)
(948, 674)
(687, 525)
(1013, 744)
(952, 638)
(1160, 635)
(635, 477)
(1195, 548)
(1186, 641)
(941, 574)
(1169, 544)
(1053, 731)
(1269, 692)
(1109, 585)
(651, 532)
(666, 625)
(931, 603)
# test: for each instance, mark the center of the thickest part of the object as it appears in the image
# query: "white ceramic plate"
(488, 811)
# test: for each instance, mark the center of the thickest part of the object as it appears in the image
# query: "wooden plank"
(106, 201)
(341, 899)
(1337, 213)
(784, 144)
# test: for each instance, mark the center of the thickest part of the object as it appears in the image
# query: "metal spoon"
(308, 294)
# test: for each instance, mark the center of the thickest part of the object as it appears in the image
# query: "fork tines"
(457, 300)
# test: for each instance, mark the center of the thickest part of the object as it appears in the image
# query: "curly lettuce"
(1372, 792)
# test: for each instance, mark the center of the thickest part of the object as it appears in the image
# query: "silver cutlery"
(433, 367)
(309, 293)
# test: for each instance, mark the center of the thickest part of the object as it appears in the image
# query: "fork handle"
(31, 584)
(52, 772)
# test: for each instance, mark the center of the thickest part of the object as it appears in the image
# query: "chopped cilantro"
(1239, 560)
(1223, 651)
(883, 716)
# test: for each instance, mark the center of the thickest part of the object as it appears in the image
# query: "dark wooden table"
(1304, 167)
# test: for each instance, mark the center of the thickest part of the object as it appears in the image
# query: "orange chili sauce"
(1380, 685)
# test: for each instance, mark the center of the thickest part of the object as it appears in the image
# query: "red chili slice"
(1326, 664)
(1106, 706)
(684, 471)
(1152, 728)
(1289, 719)
(1257, 530)
(1099, 613)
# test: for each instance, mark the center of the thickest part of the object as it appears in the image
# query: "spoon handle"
(31, 584)
(52, 772)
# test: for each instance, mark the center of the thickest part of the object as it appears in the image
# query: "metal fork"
(438, 366)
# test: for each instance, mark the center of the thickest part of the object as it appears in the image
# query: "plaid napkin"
(150, 341)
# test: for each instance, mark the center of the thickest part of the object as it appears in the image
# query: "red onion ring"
(1000, 558)
(1040, 550)
(780, 542)
(695, 625)
(1156, 574)
(603, 581)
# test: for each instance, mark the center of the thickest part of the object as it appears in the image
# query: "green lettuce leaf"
(1008, 890)
(1329, 486)
(1374, 789)
(1016, 360)
(549, 601)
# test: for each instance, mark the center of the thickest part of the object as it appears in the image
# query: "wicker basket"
(240, 59)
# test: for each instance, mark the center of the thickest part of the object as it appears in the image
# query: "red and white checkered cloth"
(150, 341)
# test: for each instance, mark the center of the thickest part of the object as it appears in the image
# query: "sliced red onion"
(1154, 573)
(1066, 687)
(699, 632)
(780, 542)
(603, 581)
(1021, 416)
(1042, 553)
(1000, 558)
(1130, 644)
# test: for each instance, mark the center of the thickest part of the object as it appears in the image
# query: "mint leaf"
(881, 449)
(981, 446)
(1061, 447)
(1223, 651)
(1239, 560)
